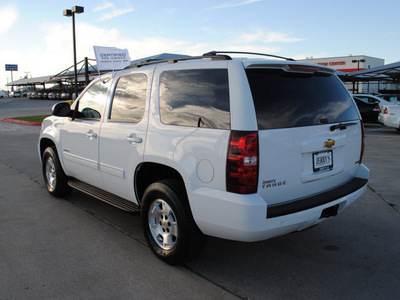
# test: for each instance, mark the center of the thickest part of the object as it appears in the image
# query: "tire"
(55, 180)
(168, 224)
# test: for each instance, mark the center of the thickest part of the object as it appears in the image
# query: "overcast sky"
(36, 36)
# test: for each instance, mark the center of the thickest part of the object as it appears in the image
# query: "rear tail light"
(242, 162)
(362, 142)
(385, 110)
(376, 108)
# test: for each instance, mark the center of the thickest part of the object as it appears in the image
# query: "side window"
(195, 98)
(91, 104)
(129, 99)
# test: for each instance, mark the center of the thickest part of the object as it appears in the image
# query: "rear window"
(286, 99)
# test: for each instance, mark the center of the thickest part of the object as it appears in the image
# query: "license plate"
(322, 161)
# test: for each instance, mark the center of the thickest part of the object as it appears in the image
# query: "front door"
(80, 135)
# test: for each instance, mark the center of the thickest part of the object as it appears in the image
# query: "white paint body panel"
(243, 217)
(392, 118)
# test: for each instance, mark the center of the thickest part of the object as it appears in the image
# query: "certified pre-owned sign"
(111, 58)
(11, 67)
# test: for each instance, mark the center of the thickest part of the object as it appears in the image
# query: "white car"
(240, 149)
(16, 94)
(390, 116)
(3, 94)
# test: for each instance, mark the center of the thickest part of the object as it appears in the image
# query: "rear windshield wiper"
(342, 126)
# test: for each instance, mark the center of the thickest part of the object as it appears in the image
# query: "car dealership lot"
(80, 247)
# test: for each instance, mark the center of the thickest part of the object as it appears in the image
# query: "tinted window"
(361, 104)
(91, 104)
(129, 98)
(195, 98)
(285, 99)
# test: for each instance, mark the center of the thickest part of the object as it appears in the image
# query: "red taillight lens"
(362, 142)
(242, 162)
(385, 110)
(304, 68)
(376, 108)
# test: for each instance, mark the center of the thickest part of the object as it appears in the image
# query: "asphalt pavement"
(80, 248)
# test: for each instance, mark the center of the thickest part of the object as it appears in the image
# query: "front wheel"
(54, 177)
(168, 225)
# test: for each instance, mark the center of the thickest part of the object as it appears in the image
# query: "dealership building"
(349, 64)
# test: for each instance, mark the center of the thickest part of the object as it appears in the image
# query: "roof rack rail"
(215, 53)
(175, 60)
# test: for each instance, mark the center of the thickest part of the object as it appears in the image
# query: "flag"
(110, 58)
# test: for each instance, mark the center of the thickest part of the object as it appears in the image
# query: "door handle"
(134, 139)
(91, 135)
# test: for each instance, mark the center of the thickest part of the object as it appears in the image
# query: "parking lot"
(80, 248)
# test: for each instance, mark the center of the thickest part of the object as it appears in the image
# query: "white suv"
(241, 149)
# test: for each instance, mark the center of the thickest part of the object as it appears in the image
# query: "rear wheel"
(168, 225)
(54, 177)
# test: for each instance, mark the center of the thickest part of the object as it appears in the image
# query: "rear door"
(123, 134)
(302, 150)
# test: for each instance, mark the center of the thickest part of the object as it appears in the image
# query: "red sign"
(332, 63)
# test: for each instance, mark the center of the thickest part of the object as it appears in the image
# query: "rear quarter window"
(195, 98)
(287, 99)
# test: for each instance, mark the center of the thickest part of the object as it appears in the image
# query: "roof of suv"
(289, 65)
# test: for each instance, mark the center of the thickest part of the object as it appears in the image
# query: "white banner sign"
(110, 58)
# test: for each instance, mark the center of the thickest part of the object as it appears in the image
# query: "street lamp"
(358, 68)
(71, 13)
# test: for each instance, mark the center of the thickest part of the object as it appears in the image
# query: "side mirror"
(61, 109)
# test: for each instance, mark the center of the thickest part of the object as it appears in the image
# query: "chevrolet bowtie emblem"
(329, 143)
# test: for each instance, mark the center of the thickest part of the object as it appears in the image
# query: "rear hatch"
(310, 133)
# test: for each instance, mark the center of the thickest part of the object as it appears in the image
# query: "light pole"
(358, 68)
(71, 13)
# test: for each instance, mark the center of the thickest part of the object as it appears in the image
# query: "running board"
(104, 196)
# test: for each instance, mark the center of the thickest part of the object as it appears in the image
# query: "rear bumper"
(248, 218)
(316, 200)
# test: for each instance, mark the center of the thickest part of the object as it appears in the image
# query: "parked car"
(241, 149)
(390, 116)
(65, 96)
(16, 94)
(51, 95)
(372, 99)
(369, 111)
(391, 98)
(3, 94)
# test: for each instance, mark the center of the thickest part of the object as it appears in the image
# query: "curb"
(21, 122)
